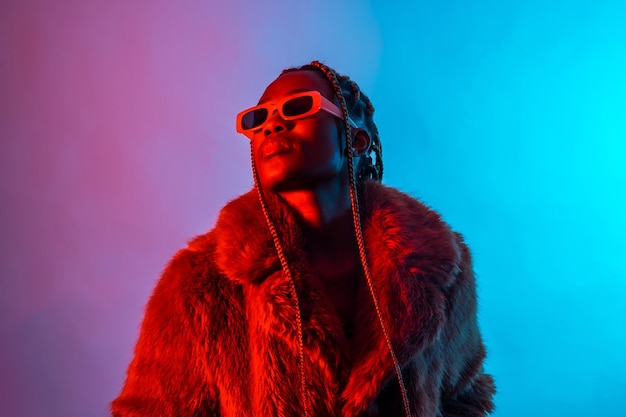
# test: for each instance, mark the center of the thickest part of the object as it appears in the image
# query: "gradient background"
(118, 145)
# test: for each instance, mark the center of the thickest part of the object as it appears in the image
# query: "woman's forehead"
(301, 80)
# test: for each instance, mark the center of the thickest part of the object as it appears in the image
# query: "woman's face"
(297, 154)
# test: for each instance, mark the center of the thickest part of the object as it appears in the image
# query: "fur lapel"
(413, 257)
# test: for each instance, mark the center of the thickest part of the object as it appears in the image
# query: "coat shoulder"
(407, 230)
(192, 283)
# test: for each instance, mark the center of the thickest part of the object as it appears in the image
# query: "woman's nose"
(274, 124)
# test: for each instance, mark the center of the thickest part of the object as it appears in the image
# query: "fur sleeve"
(166, 376)
(467, 391)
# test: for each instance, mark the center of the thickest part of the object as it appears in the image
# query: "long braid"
(363, 108)
(292, 288)
(356, 216)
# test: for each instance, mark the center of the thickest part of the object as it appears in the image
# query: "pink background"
(118, 145)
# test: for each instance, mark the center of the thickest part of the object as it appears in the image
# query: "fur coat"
(219, 336)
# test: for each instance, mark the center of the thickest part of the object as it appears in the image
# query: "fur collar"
(413, 257)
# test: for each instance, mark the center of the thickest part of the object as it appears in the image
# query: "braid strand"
(292, 288)
(356, 216)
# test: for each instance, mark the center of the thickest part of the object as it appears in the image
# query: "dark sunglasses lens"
(254, 118)
(297, 106)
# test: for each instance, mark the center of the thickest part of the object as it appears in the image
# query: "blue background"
(118, 145)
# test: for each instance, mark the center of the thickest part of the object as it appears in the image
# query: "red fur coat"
(219, 337)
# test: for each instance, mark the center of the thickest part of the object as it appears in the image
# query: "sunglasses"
(292, 107)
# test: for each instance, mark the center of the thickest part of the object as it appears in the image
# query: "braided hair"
(360, 110)
(356, 106)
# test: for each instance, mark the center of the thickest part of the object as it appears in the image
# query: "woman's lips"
(275, 146)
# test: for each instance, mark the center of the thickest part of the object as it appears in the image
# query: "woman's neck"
(321, 205)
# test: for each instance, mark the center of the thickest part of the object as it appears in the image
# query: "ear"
(361, 142)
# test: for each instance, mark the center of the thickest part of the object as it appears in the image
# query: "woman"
(320, 292)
